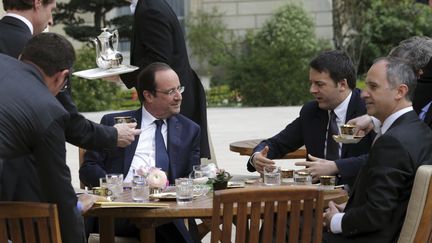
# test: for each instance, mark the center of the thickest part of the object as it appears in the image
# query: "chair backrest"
(81, 153)
(272, 209)
(417, 226)
(29, 222)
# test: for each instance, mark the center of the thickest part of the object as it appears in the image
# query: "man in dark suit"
(32, 122)
(377, 205)
(159, 91)
(333, 81)
(158, 37)
(24, 19)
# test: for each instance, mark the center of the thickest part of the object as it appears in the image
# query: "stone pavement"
(226, 126)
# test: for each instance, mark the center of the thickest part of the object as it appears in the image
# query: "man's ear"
(37, 4)
(148, 96)
(402, 91)
(343, 84)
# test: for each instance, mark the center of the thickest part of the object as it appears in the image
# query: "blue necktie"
(162, 159)
(332, 152)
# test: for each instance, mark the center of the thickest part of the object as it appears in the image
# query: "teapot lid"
(105, 34)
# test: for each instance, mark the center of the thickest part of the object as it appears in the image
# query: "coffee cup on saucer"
(347, 131)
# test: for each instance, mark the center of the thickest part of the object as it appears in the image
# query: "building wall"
(243, 15)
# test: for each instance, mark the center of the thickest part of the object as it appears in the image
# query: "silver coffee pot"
(107, 55)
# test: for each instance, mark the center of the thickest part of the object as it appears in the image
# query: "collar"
(393, 117)
(133, 5)
(23, 19)
(342, 108)
(148, 119)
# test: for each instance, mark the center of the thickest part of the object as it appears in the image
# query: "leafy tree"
(71, 13)
(273, 68)
(92, 95)
(390, 22)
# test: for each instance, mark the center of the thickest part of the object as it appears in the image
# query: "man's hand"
(330, 212)
(88, 200)
(260, 160)
(126, 133)
(363, 123)
(318, 167)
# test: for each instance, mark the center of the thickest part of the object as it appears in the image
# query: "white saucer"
(340, 139)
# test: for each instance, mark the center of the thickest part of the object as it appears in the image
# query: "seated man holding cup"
(159, 92)
(337, 100)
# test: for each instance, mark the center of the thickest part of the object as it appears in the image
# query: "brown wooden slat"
(255, 222)
(241, 223)
(227, 222)
(42, 226)
(307, 221)
(15, 230)
(294, 221)
(268, 219)
(29, 233)
(3, 231)
(281, 223)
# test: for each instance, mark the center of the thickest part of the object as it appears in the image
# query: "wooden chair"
(417, 227)
(29, 222)
(273, 208)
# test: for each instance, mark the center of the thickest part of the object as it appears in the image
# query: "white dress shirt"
(336, 221)
(145, 153)
(340, 112)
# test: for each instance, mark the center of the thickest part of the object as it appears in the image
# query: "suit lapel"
(428, 117)
(130, 150)
(174, 141)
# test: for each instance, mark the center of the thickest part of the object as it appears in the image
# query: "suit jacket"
(18, 174)
(310, 129)
(32, 123)
(183, 151)
(376, 208)
(158, 37)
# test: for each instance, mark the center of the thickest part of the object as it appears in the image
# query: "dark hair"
(146, 78)
(338, 64)
(21, 4)
(399, 71)
(50, 52)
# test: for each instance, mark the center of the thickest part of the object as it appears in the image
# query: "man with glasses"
(160, 94)
(32, 123)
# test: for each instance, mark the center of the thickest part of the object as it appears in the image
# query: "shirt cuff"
(377, 125)
(336, 223)
(251, 159)
(79, 206)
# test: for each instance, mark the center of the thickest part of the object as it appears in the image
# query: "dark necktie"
(332, 152)
(162, 159)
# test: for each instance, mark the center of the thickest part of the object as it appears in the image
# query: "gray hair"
(417, 51)
(400, 72)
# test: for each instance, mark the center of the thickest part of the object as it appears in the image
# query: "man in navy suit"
(159, 91)
(333, 84)
(158, 37)
(377, 205)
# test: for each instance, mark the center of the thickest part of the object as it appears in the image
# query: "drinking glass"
(184, 190)
(272, 175)
(140, 189)
(115, 183)
(103, 182)
(302, 178)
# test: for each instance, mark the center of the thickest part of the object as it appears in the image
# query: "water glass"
(140, 189)
(272, 175)
(184, 190)
(115, 183)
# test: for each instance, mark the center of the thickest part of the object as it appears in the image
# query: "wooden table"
(148, 219)
(246, 147)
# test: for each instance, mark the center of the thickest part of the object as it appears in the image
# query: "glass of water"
(140, 189)
(115, 183)
(272, 175)
(184, 190)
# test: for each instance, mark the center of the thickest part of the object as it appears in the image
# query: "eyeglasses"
(173, 91)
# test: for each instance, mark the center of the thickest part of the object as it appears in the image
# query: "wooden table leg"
(148, 235)
(106, 229)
